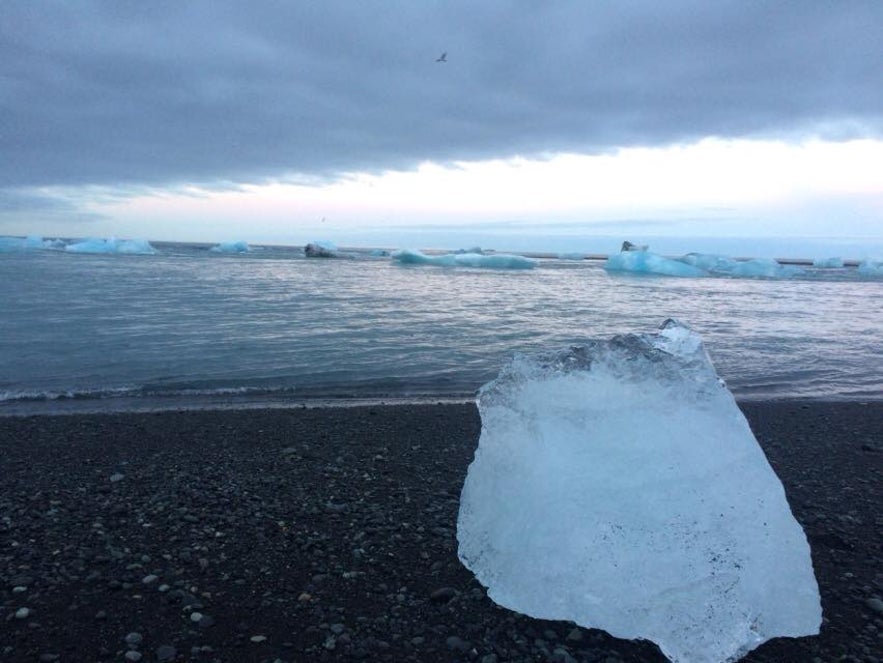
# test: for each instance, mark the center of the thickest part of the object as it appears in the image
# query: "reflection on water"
(185, 323)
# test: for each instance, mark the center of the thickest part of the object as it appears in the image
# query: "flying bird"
(443, 57)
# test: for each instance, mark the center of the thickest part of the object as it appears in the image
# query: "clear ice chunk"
(237, 246)
(112, 245)
(618, 485)
(477, 260)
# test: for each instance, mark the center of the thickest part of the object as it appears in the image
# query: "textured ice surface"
(828, 263)
(112, 245)
(238, 246)
(29, 243)
(493, 261)
(618, 485)
(871, 268)
(698, 264)
(322, 249)
(756, 267)
(645, 262)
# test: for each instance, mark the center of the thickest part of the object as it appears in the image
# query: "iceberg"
(871, 268)
(618, 485)
(238, 246)
(828, 263)
(321, 249)
(494, 261)
(707, 261)
(754, 268)
(645, 262)
(112, 245)
(759, 268)
(29, 243)
(641, 261)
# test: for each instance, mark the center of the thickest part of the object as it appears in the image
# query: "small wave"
(188, 392)
(67, 394)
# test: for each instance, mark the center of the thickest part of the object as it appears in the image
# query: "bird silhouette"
(442, 58)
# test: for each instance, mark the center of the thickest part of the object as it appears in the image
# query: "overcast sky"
(104, 104)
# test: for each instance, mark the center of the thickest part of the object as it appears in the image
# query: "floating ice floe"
(828, 263)
(639, 260)
(871, 268)
(29, 243)
(494, 261)
(112, 245)
(238, 246)
(755, 267)
(322, 249)
(644, 262)
(617, 485)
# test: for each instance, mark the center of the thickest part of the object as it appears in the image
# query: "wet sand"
(330, 534)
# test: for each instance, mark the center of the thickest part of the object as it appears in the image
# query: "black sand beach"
(330, 534)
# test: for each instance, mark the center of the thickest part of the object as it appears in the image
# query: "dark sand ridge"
(330, 534)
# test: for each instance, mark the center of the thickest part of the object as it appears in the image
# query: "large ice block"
(618, 485)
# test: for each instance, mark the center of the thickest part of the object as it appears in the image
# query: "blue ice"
(238, 246)
(495, 261)
(699, 264)
(112, 245)
(617, 485)
(871, 268)
(29, 243)
(644, 262)
(828, 263)
(323, 249)
(758, 267)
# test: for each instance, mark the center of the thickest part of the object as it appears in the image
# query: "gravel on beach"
(330, 534)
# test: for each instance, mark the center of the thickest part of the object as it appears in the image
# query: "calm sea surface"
(191, 328)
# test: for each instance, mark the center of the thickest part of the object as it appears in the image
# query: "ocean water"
(188, 327)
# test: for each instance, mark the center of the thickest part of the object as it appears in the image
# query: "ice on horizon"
(493, 261)
(112, 245)
(828, 263)
(29, 243)
(871, 268)
(644, 262)
(639, 260)
(618, 485)
(238, 246)
(324, 249)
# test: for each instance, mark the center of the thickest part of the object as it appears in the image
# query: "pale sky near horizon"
(212, 121)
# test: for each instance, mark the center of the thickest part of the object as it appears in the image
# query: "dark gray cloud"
(170, 92)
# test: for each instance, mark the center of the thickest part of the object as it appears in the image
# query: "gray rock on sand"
(875, 604)
(165, 653)
(133, 639)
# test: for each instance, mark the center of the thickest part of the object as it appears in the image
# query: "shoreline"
(58, 407)
(330, 534)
